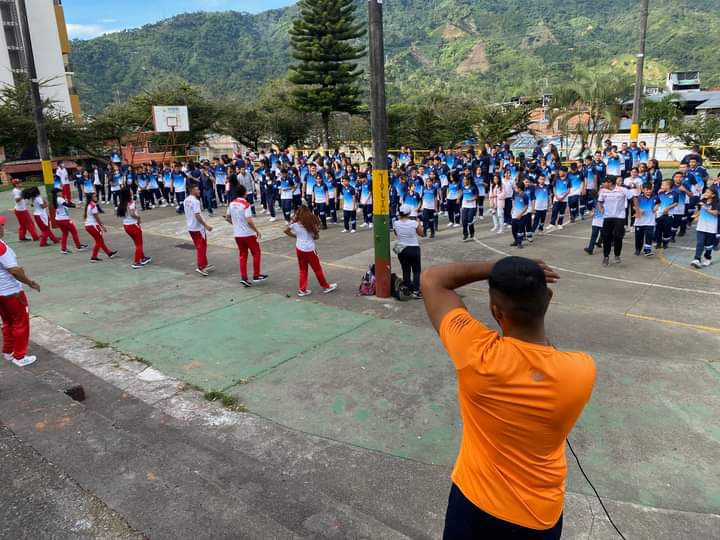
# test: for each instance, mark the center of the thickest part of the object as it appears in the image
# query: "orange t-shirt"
(518, 402)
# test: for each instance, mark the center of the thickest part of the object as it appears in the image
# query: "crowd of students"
(617, 188)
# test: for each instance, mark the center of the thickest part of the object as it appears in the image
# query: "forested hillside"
(488, 48)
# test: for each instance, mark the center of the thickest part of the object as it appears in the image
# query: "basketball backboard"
(171, 119)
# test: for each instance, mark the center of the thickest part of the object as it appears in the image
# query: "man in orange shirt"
(519, 399)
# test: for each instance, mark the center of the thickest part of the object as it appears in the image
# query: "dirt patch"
(452, 32)
(475, 62)
(420, 57)
(538, 36)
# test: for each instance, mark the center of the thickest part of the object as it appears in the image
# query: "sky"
(89, 18)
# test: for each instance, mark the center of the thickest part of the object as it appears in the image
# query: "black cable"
(595, 490)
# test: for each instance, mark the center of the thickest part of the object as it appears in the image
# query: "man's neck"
(529, 335)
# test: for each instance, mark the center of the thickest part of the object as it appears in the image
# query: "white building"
(51, 49)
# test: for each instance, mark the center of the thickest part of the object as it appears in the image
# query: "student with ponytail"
(127, 210)
(40, 214)
(95, 228)
(64, 223)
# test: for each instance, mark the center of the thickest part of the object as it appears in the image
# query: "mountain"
(487, 48)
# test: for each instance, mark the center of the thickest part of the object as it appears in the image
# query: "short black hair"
(241, 190)
(523, 288)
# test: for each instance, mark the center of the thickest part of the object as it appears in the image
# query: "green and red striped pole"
(380, 177)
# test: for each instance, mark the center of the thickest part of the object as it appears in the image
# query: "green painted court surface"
(376, 377)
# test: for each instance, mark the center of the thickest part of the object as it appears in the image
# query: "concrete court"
(371, 374)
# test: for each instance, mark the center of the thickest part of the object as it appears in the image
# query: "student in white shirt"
(239, 215)
(14, 309)
(95, 228)
(305, 228)
(64, 223)
(408, 248)
(131, 223)
(62, 173)
(197, 228)
(40, 214)
(613, 200)
(25, 223)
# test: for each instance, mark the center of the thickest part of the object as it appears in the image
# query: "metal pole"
(635, 128)
(42, 137)
(380, 177)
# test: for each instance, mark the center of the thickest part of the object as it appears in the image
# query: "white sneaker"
(560, 227)
(272, 219)
(370, 226)
(8, 357)
(706, 262)
(331, 288)
(345, 230)
(500, 231)
(306, 292)
(696, 263)
(364, 226)
(353, 231)
(482, 218)
(450, 225)
(494, 229)
(456, 225)
(24, 361)
(550, 227)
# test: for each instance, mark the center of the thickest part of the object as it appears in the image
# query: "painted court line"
(702, 327)
(608, 278)
(628, 242)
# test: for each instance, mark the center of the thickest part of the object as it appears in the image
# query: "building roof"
(712, 103)
(688, 95)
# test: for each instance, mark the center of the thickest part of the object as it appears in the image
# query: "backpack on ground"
(398, 289)
(367, 285)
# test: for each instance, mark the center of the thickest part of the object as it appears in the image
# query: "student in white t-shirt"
(95, 228)
(197, 227)
(408, 248)
(64, 177)
(131, 223)
(239, 215)
(14, 309)
(64, 223)
(305, 228)
(40, 214)
(25, 223)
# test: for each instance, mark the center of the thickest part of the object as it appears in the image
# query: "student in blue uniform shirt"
(682, 185)
(88, 188)
(469, 204)
(520, 206)
(220, 172)
(430, 204)
(596, 232)
(540, 204)
(655, 174)
(412, 199)
(395, 194)
(78, 179)
(643, 153)
(270, 193)
(286, 186)
(667, 200)
(453, 197)
(349, 205)
(645, 205)
(154, 192)
(366, 200)
(333, 200)
(561, 190)
(615, 164)
(479, 181)
(707, 215)
(319, 198)
(577, 186)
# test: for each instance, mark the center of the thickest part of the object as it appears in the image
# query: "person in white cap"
(407, 248)
(14, 309)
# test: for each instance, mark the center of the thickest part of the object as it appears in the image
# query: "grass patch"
(141, 360)
(231, 403)
(101, 345)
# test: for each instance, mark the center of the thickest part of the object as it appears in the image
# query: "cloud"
(86, 31)
(108, 21)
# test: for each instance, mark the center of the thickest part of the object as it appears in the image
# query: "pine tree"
(326, 76)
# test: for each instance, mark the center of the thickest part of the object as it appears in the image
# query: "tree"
(593, 103)
(703, 131)
(17, 123)
(322, 40)
(248, 124)
(495, 124)
(653, 113)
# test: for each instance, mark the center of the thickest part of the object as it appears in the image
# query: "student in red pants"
(25, 222)
(239, 214)
(305, 228)
(95, 228)
(14, 309)
(40, 213)
(131, 223)
(197, 228)
(64, 223)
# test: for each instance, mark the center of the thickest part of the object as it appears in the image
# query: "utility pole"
(42, 137)
(380, 177)
(635, 128)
